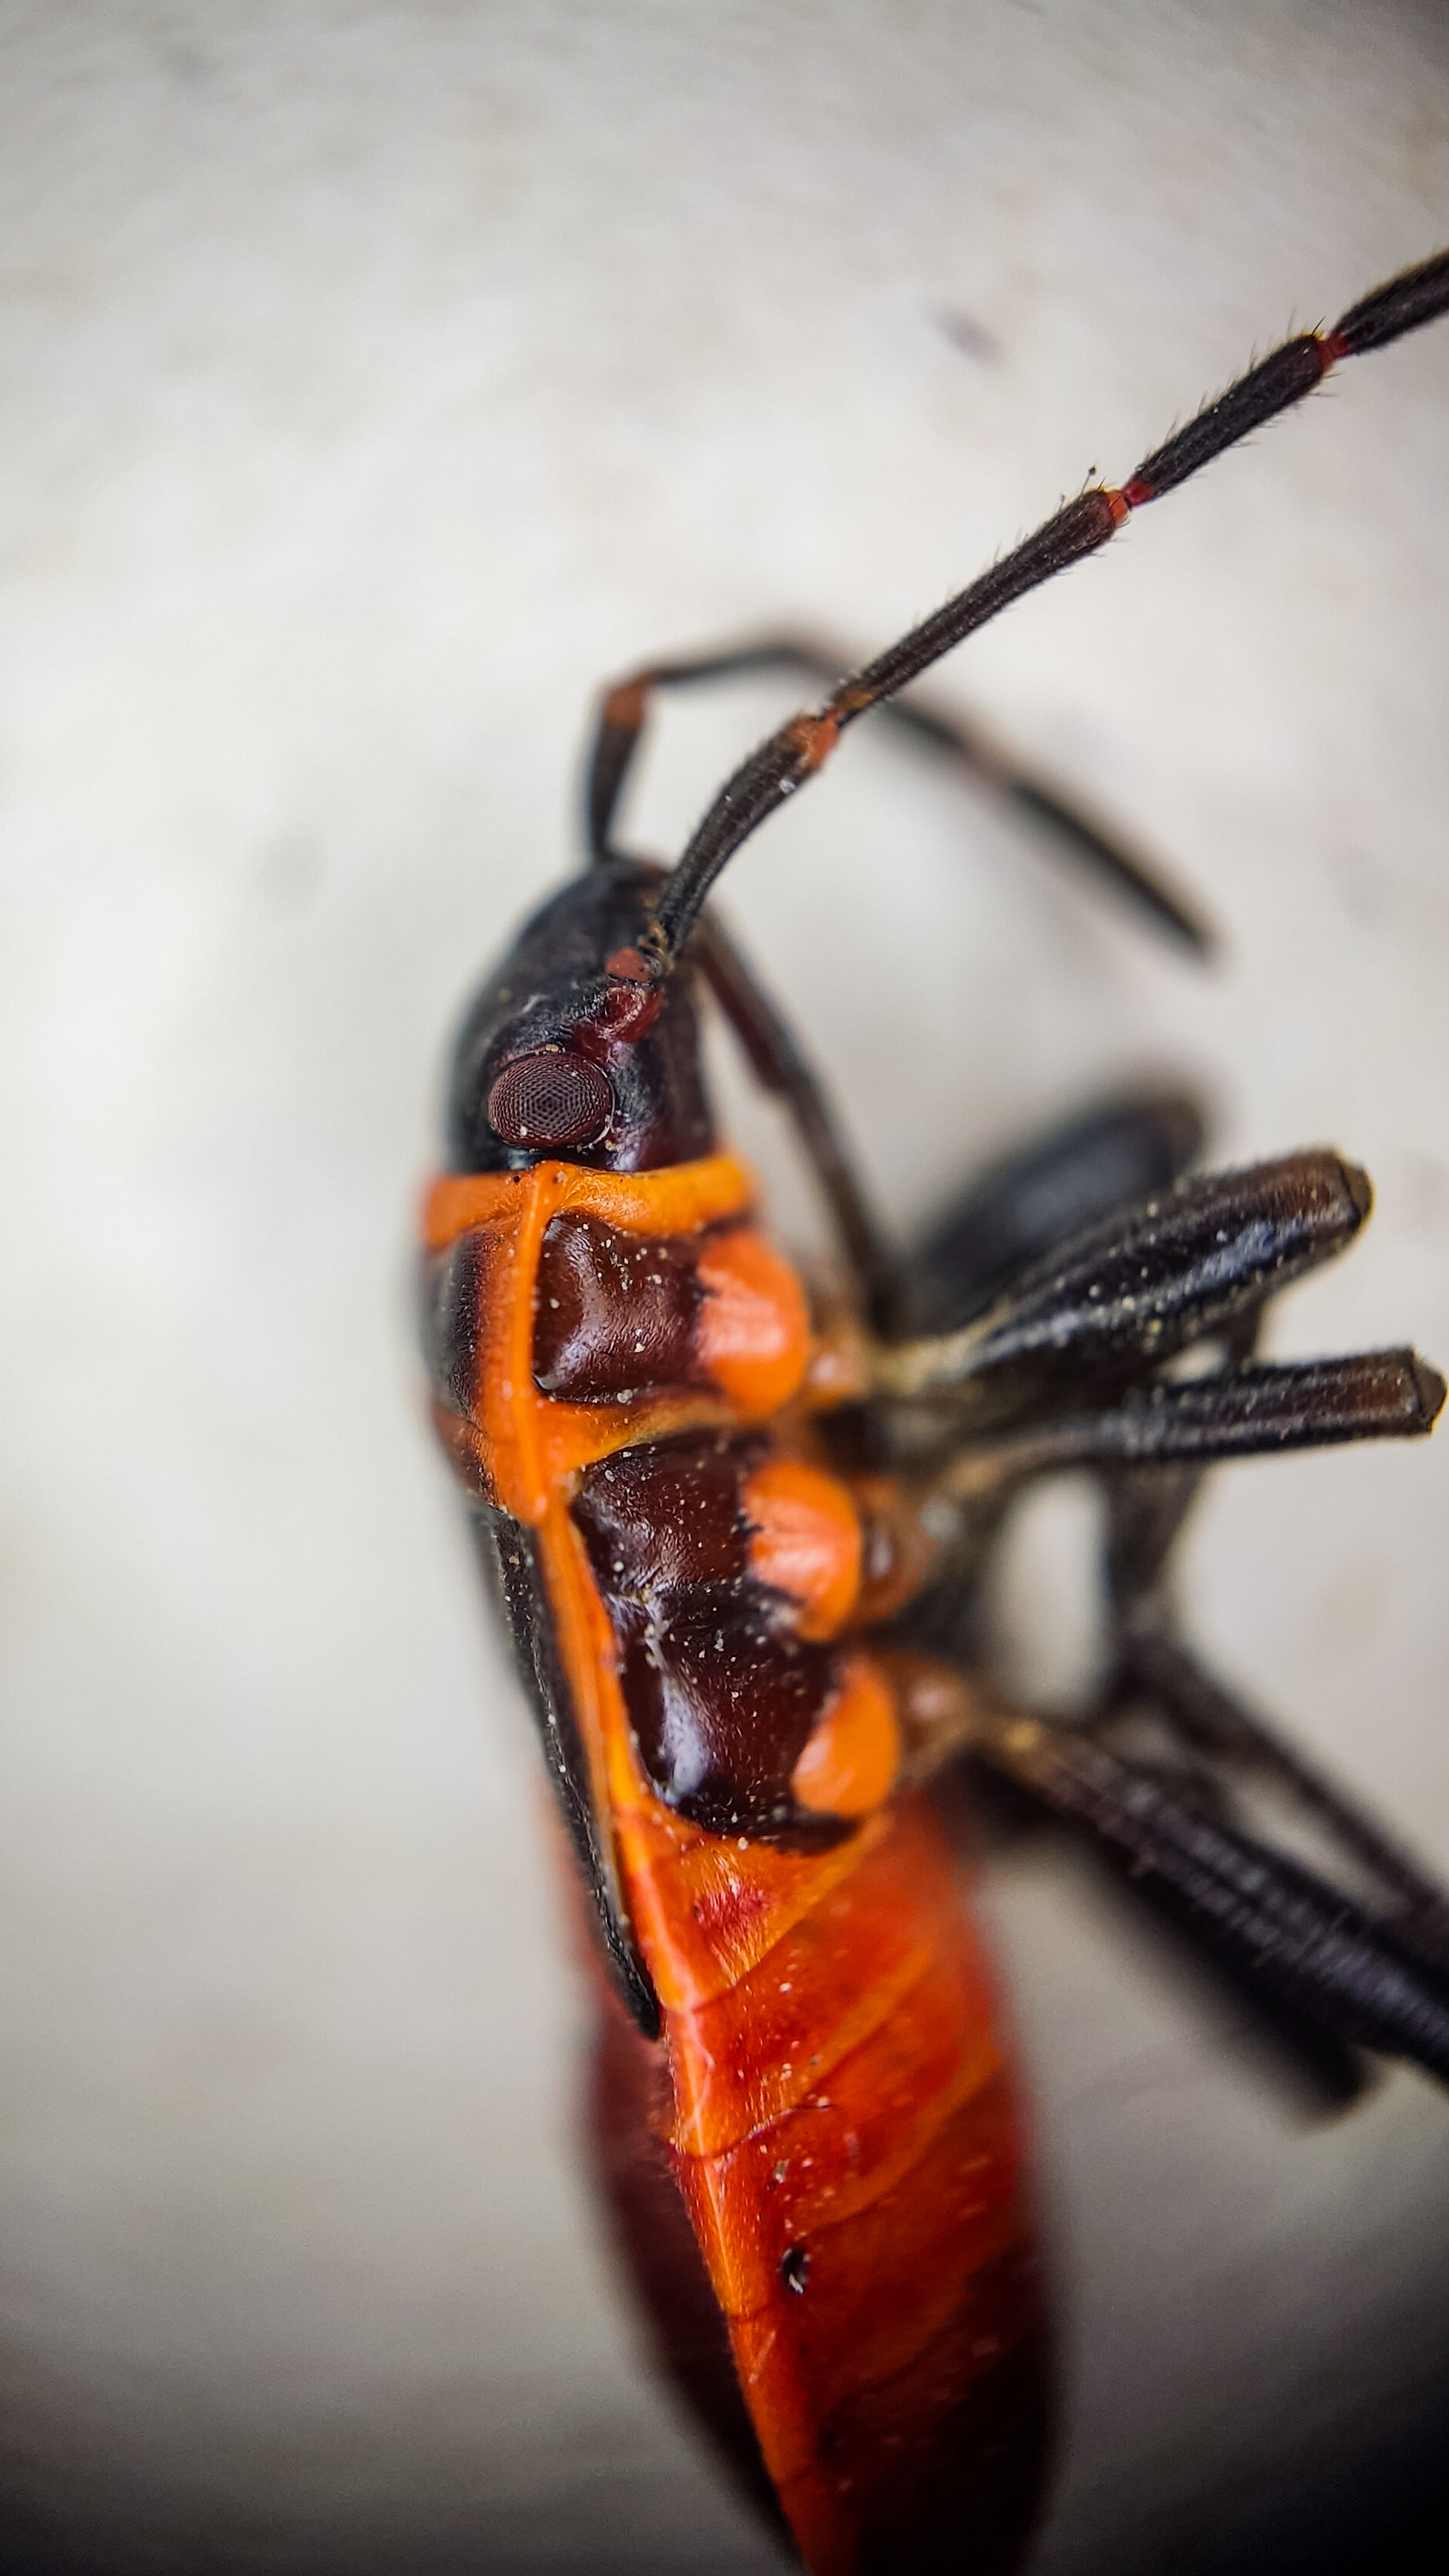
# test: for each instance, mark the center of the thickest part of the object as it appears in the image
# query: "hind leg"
(1154, 1775)
(1123, 1148)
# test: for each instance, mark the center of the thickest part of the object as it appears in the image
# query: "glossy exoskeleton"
(739, 1540)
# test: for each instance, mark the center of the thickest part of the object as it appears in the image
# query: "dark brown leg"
(1039, 1197)
(1157, 1670)
(1237, 1413)
(1150, 1448)
(1070, 831)
(1025, 1204)
(1153, 1667)
(1368, 1969)
(1289, 1939)
(1349, 1971)
(1129, 1293)
(779, 1066)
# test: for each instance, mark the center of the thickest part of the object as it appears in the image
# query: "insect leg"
(1044, 1373)
(625, 707)
(1238, 1413)
(1073, 833)
(1284, 1934)
(1128, 1293)
(1150, 1448)
(780, 1066)
(1308, 1944)
(1017, 1212)
(1113, 1154)
(1165, 1674)
(1040, 1196)
(1145, 1512)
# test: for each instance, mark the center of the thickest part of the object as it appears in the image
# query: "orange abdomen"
(844, 2133)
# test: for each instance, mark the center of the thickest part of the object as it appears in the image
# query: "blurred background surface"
(373, 382)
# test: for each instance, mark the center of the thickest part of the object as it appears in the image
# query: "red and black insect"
(739, 1542)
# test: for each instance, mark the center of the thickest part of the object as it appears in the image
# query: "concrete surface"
(372, 382)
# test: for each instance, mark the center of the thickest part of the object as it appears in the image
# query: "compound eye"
(551, 1098)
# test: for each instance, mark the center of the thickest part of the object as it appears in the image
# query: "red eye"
(551, 1099)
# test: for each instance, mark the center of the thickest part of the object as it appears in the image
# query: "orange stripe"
(527, 1446)
(677, 1200)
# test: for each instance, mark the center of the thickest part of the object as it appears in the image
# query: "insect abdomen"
(845, 2135)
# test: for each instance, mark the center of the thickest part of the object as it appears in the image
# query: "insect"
(739, 1538)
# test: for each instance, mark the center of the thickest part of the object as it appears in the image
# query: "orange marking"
(806, 1541)
(678, 1200)
(850, 1763)
(753, 1332)
(526, 1445)
(814, 737)
(1123, 503)
(586, 1651)
(624, 706)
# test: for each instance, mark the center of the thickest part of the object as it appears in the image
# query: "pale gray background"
(374, 381)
